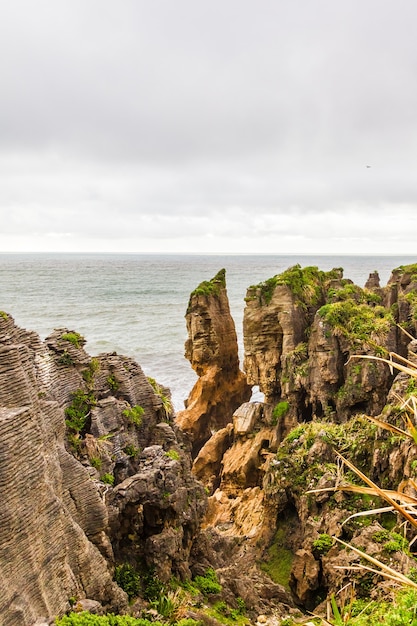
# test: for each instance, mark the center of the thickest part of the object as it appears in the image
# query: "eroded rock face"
(52, 515)
(212, 351)
(301, 329)
(300, 342)
(63, 528)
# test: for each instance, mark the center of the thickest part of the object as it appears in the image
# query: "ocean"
(135, 304)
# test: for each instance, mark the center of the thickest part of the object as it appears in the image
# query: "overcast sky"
(208, 126)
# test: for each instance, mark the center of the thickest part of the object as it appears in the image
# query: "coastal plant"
(113, 383)
(131, 451)
(89, 619)
(280, 410)
(306, 283)
(76, 339)
(78, 412)
(108, 479)
(173, 455)
(211, 287)
(358, 323)
(65, 358)
(166, 402)
(4, 315)
(134, 414)
(322, 544)
(89, 373)
(208, 584)
(128, 578)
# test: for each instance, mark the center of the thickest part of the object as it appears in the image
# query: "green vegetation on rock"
(208, 584)
(211, 287)
(322, 544)
(88, 619)
(134, 414)
(280, 410)
(166, 402)
(306, 283)
(128, 579)
(76, 339)
(359, 323)
(78, 412)
(279, 559)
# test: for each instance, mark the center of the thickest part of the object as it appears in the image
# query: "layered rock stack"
(212, 350)
(93, 473)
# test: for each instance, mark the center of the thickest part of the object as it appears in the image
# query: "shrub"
(96, 462)
(280, 410)
(323, 544)
(173, 454)
(166, 402)
(89, 373)
(131, 450)
(208, 584)
(65, 359)
(134, 414)
(128, 579)
(108, 479)
(112, 382)
(76, 339)
(78, 412)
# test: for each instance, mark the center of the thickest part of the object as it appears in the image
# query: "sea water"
(135, 304)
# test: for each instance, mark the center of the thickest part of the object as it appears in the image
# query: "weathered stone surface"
(207, 465)
(305, 578)
(212, 351)
(55, 539)
(145, 510)
(246, 416)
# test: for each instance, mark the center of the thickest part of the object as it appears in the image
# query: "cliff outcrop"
(302, 330)
(97, 476)
(94, 473)
(212, 350)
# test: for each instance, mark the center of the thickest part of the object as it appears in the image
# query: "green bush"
(131, 450)
(65, 359)
(112, 382)
(76, 339)
(88, 619)
(323, 544)
(173, 454)
(78, 412)
(134, 414)
(280, 410)
(128, 579)
(108, 479)
(208, 584)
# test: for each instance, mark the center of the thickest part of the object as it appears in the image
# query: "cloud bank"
(233, 126)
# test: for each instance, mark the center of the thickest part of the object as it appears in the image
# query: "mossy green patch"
(359, 323)
(211, 287)
(306, 283)
(76, 339)
(279, 559)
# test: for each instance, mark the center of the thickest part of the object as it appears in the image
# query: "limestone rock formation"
(212, 351)
(93, 473)
(302, 330)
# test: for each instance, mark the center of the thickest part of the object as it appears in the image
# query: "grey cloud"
(163, 118)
